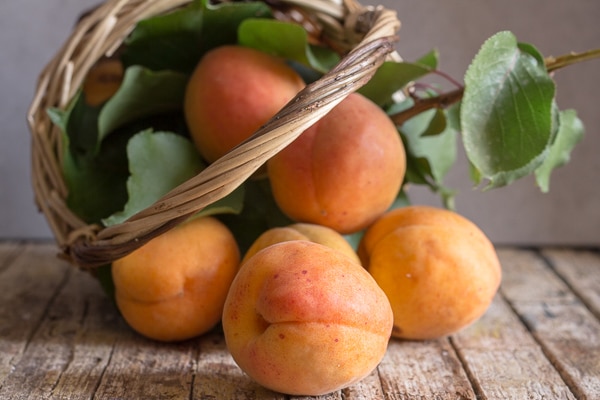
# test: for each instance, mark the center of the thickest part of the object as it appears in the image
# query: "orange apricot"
(173, 288)
(231, 93)
(304, 319)
(302, 231)
(438, 269)
(342, 172)
(102, 81)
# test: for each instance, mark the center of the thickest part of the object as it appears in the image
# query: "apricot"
(102, 81)
(302, 231)
(342, 172)
(439, 271)
(173, 288)
(304, 319)
(231, 93)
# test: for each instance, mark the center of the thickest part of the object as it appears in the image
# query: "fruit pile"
(302, 311)
(314, 264)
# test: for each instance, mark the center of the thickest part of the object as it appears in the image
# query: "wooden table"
(62, 338)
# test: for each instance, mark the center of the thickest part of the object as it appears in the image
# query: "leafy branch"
(508, 118)
(445, 100)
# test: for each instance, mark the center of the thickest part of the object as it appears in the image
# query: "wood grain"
(149, 369)
(28, 284)
(565, 328)
(8, 251)
(367, 389)
(504, 361)
(218, 377)
(61, 337)
(581, 271)
(423, 370)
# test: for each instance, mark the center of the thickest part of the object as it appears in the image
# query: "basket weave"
(365, 35)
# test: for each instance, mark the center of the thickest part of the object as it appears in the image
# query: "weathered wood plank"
(567, 331)
(8, 252)
(148, 369)
(503, 360)
(61, 337)
(423, 370)
(66, 356)
(27, 284)
(581, 270)
(95, 326)
(219, 377)
(367, 389)
(329, 396)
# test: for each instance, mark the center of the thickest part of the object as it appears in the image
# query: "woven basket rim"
(366, 33)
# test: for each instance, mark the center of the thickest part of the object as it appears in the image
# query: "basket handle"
(372, 28)
(227, 173)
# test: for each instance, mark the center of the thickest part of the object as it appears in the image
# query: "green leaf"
(570, 132)
(177, 40)
(58, 117)
(78, 121)
(435, 154)
(430, 157)
(430, 59)
(286, 40)
(170, 41)
(507, 110)
(143, 93)
(532, 51)
(390, 78)
(95, 171)
(158, 162)
(437, 124)
(96, 182)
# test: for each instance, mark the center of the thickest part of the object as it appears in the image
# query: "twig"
(442, 101)
(555, 63)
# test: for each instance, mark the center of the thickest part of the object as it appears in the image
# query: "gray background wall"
(32, 30)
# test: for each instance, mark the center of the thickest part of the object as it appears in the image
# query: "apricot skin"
(342, 172)
(304, 319)
(102, 81)
(231, 93)
(173, 288)
(302, 231)
(438, 269)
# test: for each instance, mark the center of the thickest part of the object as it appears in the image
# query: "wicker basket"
(366, 35)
